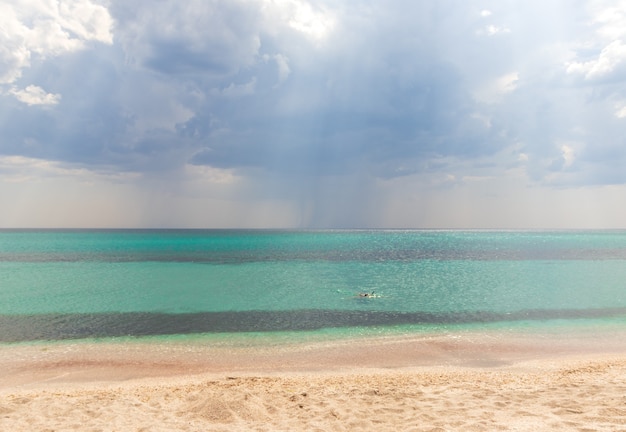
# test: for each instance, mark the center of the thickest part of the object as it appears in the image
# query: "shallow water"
(114, 283)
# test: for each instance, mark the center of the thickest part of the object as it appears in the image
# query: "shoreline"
(457, 381)
(24, 365)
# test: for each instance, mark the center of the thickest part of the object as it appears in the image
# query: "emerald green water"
(76, 284)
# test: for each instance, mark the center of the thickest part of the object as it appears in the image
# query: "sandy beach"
(452, 382)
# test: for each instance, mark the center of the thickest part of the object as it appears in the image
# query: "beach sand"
(450, 382)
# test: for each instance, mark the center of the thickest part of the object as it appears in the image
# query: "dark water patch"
(244, 257)
(19, 328)
(246, 246)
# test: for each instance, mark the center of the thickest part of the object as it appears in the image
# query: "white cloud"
(610, 17)
(314, 23)
(238, 90)
(86, 19)
(14, 54)
(620, 110)
(610, 59)
(507, 83)
(21, 168)
(495, 90)
(492, 30)
(207, 174)
(38, 27)
(282, 62)
(34, 95)
(568, 154)
(608, 23)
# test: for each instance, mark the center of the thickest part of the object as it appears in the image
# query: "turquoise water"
(111, 283)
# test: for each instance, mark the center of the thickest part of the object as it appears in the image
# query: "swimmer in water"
(366, 294)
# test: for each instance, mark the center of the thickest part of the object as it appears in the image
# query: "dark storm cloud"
(327, 88)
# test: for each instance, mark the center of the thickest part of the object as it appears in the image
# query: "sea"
(250, 285)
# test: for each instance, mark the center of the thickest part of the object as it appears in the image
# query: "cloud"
(222, 98)
(495, 90)
(43, 29)
(602, 57)
(609, 18)
(282, 63)
(620, 110)
(316, 24)
(315, 108)
(34, 95)
(210, 37)
(612, 60)
(237, 90)
(492, 30)
(568, 155)
(23, 169)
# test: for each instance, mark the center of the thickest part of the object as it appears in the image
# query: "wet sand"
(462, 381)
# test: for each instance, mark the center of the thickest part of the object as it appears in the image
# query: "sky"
(499, 114)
